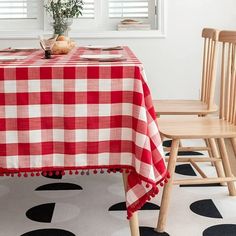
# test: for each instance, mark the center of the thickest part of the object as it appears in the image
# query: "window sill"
(87, 35)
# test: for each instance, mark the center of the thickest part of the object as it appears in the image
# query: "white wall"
(173, 64)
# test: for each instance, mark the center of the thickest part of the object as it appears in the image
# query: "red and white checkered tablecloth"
(68, 114)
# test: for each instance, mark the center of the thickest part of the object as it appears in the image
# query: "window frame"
(99, 32)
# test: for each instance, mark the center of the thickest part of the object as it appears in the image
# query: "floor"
(93, 205)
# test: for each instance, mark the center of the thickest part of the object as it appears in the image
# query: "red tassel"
(87, 172)
(70, 172)
(102, 171)
(37, 174)
(63, 172)
(12, 174)
(50, 173)
(19, 174)
(44, 173)
(82, 172)
(32, 174)
(108, 171)
(127, 171)
(161, 184)
(7, 174)
(25, 175)
(76, 172)
(168, 175)
(95, 172)
(166, 181)
(147, 185)
(121, 170)
(57, 173)
(114, 170)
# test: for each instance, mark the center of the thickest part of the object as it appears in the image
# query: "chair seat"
(182, 107)
(196, 127)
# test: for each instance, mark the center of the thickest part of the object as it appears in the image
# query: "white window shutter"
(88, 9)
(128, 8)
(19, 9)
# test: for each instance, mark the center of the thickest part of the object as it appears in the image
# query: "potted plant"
(62, 13)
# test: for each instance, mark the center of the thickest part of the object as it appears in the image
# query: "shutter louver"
(88, 9)
(19, 9)
(128, 8)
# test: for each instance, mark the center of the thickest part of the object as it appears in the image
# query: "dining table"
(73, 115)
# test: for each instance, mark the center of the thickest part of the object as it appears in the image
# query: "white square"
(58, 110)
(10, 112)
(58, 135)
(143, 114)
(81, 135)
(104, 85)
(58, 85)
(81, 110)
(81, 85)
(58, 160)
(12, 162)
(11, 137)
(127, 109)
(128, 84)
(34, 111)
(35, 136)
(104, 110)
(104, 134)
(36, 161)
(126, 158)
(126, 134)
(10, 86)
(34, 86)
(81, 160)
(140, 139)
(104, 159)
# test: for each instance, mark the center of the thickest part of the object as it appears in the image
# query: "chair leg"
(226, 165)
(133, 222)
(216, 154)
(233, 141)
(168, 187)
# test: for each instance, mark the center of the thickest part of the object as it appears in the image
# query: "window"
(99, 15)
(15, 14)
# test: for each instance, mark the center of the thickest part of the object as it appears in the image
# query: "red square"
(115, 146)
(69, 148)
(69, 73)
(2, 99)
(22, 73)
(1, 73)
(92, 147)
(69, 123)
(46, 73)
(3, 151)
(92, 122)
(22, 124)
(117, 97)
(93, 97)
(46, 122)
(47, 148)
(69, 98)
(46, 98)
(117, 72)
(93, 72)
(22, 98)
(2, 124)
(24, 149)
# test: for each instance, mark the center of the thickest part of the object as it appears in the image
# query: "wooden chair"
(211, 128)
(206, 104)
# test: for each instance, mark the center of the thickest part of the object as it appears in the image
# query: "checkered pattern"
(68, 114)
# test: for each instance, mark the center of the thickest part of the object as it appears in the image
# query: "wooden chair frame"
(215, 130)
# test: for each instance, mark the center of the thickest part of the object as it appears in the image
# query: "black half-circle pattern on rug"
(221, 230)
(41, 213)
(147, 231)
(121, 206)
(202, 185)
(185, 169)
(49, 232)
(167, 143)
(58, 187)
(187, 153)
(53, 175)
(205, 207)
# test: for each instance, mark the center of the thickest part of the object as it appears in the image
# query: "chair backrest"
(209, 66)
(228, 76)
